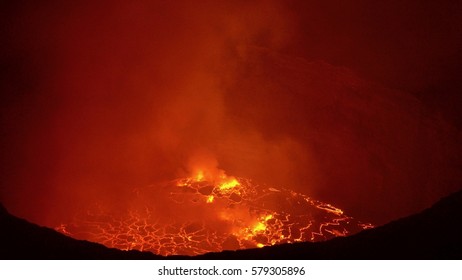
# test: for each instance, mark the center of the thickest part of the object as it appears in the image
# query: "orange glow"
(259, 227)
(113, 100)
(228, 184)
(199, 176)
(208, 215)
(330, 208)
(213, 175)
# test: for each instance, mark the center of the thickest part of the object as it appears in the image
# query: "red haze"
(98, 98)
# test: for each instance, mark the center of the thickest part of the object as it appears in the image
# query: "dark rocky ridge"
(431, 234)
(24, 240)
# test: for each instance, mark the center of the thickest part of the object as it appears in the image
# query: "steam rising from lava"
(130, 93)
(99, 98)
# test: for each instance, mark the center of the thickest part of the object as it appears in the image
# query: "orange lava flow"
(199, 216)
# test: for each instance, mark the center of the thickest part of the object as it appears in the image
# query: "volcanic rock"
(431, 234)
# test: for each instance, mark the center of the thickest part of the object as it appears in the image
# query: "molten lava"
(201, 214)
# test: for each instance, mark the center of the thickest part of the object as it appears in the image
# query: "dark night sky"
(354, 102)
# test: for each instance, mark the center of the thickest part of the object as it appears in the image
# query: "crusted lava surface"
(192, 217)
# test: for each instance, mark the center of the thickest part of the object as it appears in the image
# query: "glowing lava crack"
(193, 216)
